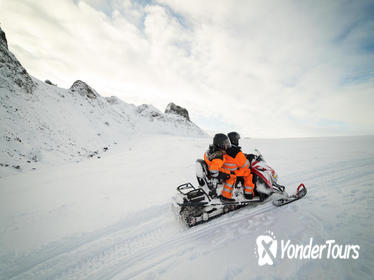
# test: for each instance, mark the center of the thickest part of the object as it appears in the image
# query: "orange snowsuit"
(235, 161)
(215, 163)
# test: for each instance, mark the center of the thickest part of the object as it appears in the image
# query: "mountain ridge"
(44, 124)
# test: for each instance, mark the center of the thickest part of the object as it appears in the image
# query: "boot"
(249, 196)
(225, 199)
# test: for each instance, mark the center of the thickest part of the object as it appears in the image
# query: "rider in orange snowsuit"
(214, 158)
(236, 161)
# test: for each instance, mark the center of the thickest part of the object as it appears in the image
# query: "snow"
(110, 218)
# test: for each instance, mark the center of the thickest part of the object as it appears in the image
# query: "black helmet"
(234, 138)
(221, 141)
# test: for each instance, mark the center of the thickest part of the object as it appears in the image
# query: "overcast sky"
(262, 68)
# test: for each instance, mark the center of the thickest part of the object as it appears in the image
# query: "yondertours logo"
(267, 250)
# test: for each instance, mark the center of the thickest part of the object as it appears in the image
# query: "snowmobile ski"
(300, 193)
(199, 204)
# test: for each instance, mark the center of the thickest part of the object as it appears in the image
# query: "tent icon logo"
(267, 246)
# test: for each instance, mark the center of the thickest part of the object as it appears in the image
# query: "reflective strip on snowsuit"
(234, 156)
(215, 166)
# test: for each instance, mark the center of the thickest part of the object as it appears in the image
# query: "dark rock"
(49, 83)
(83, 89)
(3, 40)
(12, 74)
(92, 154)
(178, 110)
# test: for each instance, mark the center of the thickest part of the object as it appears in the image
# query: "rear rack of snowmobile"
(192, 193)
(185, 188)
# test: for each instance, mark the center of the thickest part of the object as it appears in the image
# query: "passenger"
(215, 160)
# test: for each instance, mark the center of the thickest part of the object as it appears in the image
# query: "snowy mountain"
(13, 76)
(42, 124)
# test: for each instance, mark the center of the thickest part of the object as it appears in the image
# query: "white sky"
(262, 68)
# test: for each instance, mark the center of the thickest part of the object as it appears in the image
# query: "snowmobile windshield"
(258, 155)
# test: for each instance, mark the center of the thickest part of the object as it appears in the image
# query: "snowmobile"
(200, 204)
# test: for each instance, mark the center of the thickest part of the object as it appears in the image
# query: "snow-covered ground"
(110, 218)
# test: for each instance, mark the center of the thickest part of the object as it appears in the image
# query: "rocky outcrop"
(49, 83)
(83, 89)
(12, 73)
(148, 111)
(113, 100)
(178, 110)
(3, 40)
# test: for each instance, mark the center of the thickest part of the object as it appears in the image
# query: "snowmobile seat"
(202, 172)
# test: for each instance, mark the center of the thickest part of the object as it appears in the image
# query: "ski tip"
(300, 193)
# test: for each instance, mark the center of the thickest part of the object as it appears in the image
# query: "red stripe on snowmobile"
(258, 173)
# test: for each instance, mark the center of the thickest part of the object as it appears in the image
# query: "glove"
(250, 157)
(223, 176)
